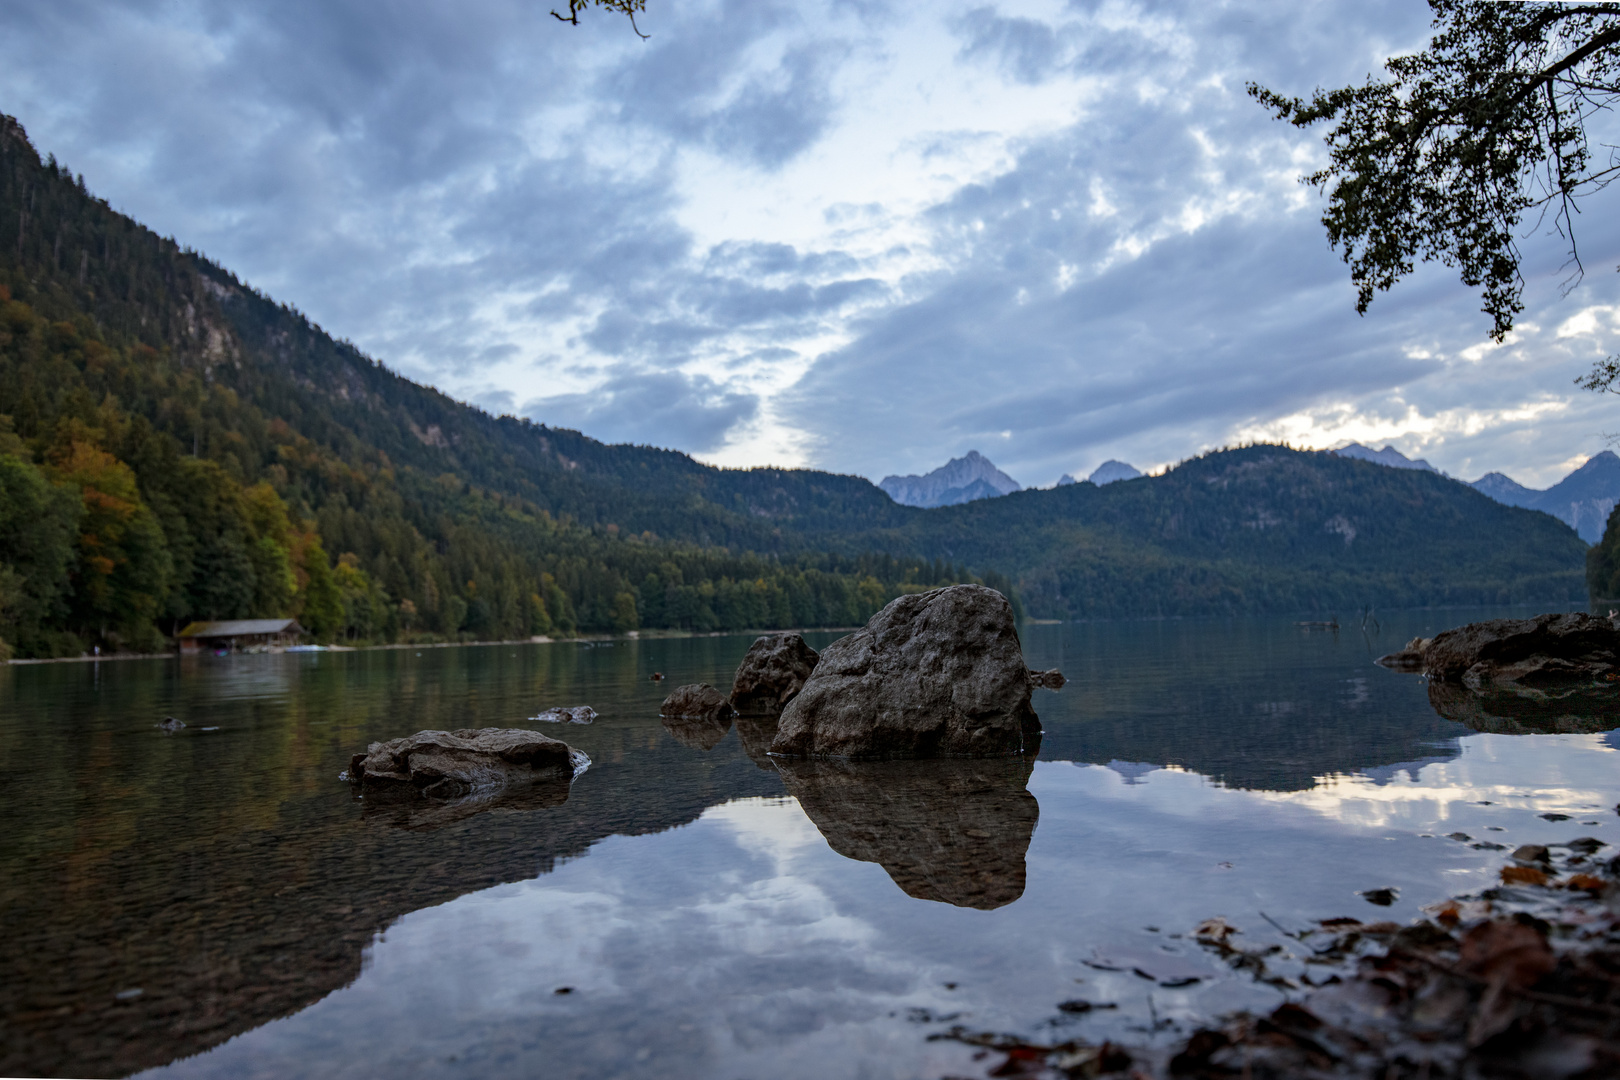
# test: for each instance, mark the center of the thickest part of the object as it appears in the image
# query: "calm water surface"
(215, 903)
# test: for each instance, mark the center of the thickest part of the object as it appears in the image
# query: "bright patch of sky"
(851, 234)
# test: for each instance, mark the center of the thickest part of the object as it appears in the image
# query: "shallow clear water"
(708, 915)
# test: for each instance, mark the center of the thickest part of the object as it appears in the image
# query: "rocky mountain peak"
(964, 479)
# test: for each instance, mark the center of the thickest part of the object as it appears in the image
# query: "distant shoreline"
(584, 639)
(659, 634)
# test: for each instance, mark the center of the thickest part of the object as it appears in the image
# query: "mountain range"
(1387, 456)
(175, 444)
(1108, 472)
(1583, 500)
(959, 480)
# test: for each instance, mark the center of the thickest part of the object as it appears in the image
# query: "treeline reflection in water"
(164, 893)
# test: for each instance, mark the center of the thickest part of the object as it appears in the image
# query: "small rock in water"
(1081, 1007)
(1049, 680)
(1585, 845)
(771, 674)
(1381, 897)
(453, 764)
(1460, 837)
(1531, 853)
(1555, 817)
(579, 714)
(171, 724)
(697, 701)
(657, 676)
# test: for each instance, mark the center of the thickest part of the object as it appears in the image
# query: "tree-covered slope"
(1262, 528)
(175, 445)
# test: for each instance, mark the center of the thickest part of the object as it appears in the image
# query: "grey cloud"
(1026, 49)
(499, 402)
(1245, 318)
(661, 408)
(764, 260)
(404, 176)
(766, 121)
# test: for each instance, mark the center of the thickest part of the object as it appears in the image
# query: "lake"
(217, 903)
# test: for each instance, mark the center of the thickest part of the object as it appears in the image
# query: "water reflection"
(233, 880)
(1520, 710)
(955, 831)
(698, 733)
(756, 733)
(407, 809)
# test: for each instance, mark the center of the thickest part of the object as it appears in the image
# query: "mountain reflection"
(1520, 710)
(953, 830)
(230, 878)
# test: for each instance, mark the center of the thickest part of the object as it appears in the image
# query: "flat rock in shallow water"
(455, 764)
(697, 701)
(1544, 651)
(935, 674)
(579, 714)
(951, 831)
(771, 674)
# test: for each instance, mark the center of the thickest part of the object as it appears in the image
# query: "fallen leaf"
(1446, 914)
(1523, 875)
(1589, 882)
(1215, 930)
(1511, 952)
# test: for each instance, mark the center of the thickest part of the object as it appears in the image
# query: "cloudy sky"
(859, 235)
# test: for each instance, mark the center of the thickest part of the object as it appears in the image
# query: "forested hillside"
(175, 445)
(1261, 528)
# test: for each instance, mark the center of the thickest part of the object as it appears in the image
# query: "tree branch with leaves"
(628, 7)
(1483, 130)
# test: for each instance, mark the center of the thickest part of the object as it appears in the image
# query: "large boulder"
(1544, 651)
(771, 674)
(697, 701)
(951, 831)
(935, 674)
(455, 764)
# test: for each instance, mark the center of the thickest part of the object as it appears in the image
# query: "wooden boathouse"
(237, 635)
